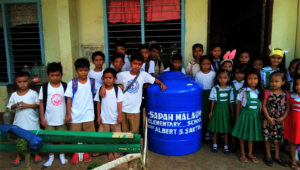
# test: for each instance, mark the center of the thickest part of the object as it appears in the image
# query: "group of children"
(248, 101)
(235, 98)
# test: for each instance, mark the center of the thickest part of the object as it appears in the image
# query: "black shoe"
(226, 151)
(281, 162)
(268, 161)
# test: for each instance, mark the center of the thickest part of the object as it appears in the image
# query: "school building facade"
(67, 27)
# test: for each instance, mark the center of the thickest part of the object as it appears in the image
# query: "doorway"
(242, 25)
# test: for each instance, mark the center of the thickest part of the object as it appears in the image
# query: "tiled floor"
(204, 159)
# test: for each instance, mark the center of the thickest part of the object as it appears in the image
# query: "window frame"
(143, 35)
(9, 56)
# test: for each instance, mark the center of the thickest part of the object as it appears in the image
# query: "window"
(21, 41)
(145, 22)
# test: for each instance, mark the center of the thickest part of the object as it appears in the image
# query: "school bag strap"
(116, 91)
(147, 66)
(133, 81)
(159, 65)
(75, 86)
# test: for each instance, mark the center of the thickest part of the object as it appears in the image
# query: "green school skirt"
(206, 106)
(220, 120)
(248, 125)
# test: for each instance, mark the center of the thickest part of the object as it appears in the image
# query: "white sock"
(62, 158)
(49, 162)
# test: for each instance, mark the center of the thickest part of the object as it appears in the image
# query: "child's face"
(176, 64)
(136, 65)
(121, 49)
(244, 58)
(276, 82)
(223, 78)
(227, 66)
(205, 65)
(146, 53)
(275, 60)
(23, 82)
(239, 76)
(293, 68)
(82, 73)
(297, 87)
(257, 64)
(109, 79)
(216, 52)
(197, 52)
(118, 63)
(55, 76)
(252, 80)
(154, 53)
(98, 61)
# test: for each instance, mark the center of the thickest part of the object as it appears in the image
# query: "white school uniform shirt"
(182, 70)
(82, 109)
(151, 67)
(206, 81)
(297, 99)
(27, 119)
(133, 97)
(263, 74)
(213, 94)
(195, 69)
(97, 76)
(241, 97)
(56, 105)
(237, 84)
(109, 105)
(126, 66)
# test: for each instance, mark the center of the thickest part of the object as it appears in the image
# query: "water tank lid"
(171, 75)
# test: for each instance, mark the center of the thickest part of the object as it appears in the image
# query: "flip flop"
(36, 159)
(295, 167)
(96, 154)
(243, 159)
(254, 160)
(17, 162)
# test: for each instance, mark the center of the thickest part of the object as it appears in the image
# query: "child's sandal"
(254, 160)
(295, 167)
(243, 159)
(214, 149)
(17, 162)
(36, 159)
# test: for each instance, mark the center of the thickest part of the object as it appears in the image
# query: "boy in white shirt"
(122, 48)
(98, 59)
(148, 65)
(25, 101)
(53, 105)
(109, 109)
(80, 107)
(133, 92)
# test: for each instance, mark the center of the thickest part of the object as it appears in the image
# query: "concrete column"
(68, 36)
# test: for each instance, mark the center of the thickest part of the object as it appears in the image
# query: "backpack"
(159, 65)
(75, 86)
(147, 66)
(45, 93)
(116, 91)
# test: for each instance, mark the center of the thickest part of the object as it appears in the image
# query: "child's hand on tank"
(280, 120)
(68, 119)
(163, 87)
(44, 122)
(121, 87)
(210, 115)
(120, 119)
(99, 120)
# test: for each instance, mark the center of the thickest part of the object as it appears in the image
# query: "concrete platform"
(204, 159)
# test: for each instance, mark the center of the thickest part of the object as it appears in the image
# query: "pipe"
(71, 148)
(119, 161)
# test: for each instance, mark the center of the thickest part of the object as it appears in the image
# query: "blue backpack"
(75, 86)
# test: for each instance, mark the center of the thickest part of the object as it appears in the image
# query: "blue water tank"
(174, 115)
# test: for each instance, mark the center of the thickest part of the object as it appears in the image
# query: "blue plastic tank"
(174, 115)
